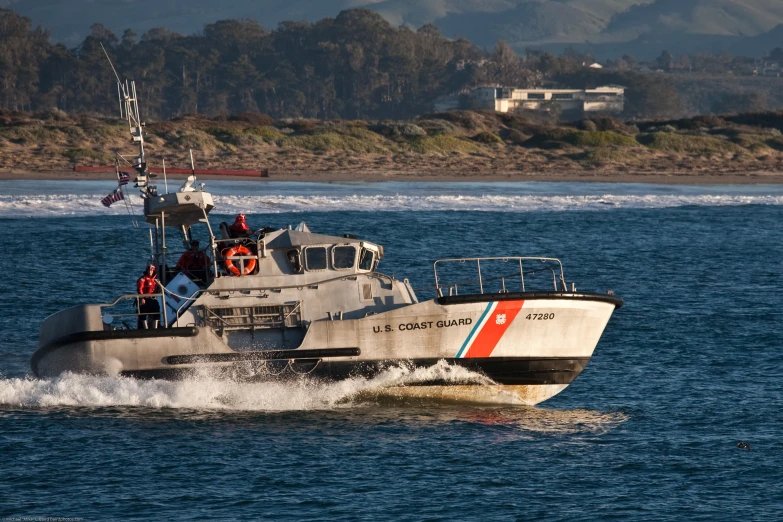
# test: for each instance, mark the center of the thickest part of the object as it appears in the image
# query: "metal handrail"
(376, 275)
(128, 296)
(484, 279)
(138, 296)
(480, 279)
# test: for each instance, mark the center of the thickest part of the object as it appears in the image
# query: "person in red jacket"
(239, 228)
(194, 262)
(149, 308)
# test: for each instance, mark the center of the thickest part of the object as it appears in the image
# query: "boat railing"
(134, 297)
(184, 300)
(524, 264)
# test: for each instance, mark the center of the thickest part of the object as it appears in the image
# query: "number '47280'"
(540, 317)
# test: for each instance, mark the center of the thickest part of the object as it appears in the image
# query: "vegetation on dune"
(333, 141)
(482, 139)
(441, 144)
(488, 138)
(80, 154)
(672, 142)
(609, 156)
(599, 139)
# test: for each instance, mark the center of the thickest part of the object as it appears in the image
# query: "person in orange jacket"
(149, 308)
(194, 262)
(239, 228)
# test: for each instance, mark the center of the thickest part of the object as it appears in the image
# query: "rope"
(291, 367)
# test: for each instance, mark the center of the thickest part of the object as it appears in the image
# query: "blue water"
(687, 368)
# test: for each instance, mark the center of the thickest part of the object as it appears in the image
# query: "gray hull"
(503, 349)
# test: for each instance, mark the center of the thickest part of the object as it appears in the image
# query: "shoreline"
(370, 176)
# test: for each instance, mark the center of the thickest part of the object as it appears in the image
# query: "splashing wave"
(207, 392)
(87, 205)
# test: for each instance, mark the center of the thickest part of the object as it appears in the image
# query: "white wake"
(206, 392)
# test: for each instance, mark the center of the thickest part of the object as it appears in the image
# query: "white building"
(608, 98)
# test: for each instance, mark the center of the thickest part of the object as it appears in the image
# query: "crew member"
(149, 308)
(239, 228)
(194, 262)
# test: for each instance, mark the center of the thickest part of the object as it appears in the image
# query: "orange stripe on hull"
(497, 324)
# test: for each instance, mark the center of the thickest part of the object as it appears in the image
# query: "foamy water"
(207, 395)
(207, 392)
(89, 204)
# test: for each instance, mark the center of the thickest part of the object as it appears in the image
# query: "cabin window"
(367, 259)
(343, 257)
(536, 96)
(295, 260)
(315, 258)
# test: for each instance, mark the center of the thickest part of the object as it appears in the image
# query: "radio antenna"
(129, 111)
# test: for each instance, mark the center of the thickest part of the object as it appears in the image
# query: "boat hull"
(527, 346)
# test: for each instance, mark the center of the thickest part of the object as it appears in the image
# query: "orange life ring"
(239, 250)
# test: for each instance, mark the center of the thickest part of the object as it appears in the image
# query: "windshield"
(367, 260)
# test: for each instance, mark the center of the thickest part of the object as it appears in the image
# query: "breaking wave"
(89, 204)
(208, 396)
(205, 392)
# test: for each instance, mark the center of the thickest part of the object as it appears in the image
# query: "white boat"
(290, 302)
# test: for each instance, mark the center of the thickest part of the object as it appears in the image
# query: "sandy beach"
(450, 176)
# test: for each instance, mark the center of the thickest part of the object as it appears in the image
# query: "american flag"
(124, 178)
(113, 197)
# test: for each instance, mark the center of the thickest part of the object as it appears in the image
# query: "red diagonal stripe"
(490, 334)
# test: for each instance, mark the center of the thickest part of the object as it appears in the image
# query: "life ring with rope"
(239, 250)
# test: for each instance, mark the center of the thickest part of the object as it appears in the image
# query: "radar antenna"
(129, 111)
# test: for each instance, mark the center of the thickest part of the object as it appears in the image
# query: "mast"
(129, 111)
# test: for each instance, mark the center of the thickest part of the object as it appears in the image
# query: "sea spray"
(208, 391)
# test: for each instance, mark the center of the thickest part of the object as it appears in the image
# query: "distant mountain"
(609, 27)
(708, 17)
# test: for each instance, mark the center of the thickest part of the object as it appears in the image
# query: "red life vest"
(147, 284)
(240, 227)
(193, 261)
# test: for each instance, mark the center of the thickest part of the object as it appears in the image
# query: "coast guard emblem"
(500, 319)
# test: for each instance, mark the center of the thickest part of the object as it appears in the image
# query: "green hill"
(686, 25)
(708, 17)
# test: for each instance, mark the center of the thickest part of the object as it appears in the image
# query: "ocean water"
(685, 370)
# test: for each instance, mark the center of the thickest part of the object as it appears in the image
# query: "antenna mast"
(129, 111)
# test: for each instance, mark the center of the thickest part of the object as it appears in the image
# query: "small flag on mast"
(113, 197)
(124, 178)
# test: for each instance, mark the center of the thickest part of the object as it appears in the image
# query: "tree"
(664, 61)
(22, 50)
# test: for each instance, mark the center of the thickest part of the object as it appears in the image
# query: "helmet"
(240, 218)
